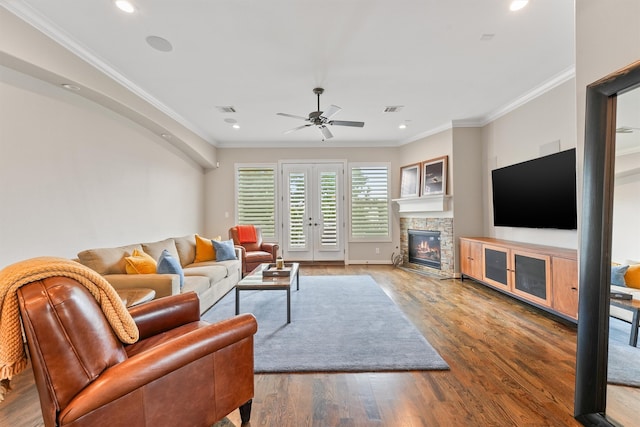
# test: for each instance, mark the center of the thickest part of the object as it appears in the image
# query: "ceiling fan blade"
(346, 123)
(298, 128)
(330, 112)
(292, 115)
(326, 133)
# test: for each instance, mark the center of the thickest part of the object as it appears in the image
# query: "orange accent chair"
(182, 370)
(254, 253)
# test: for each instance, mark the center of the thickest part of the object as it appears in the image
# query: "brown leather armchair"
(254, 254)
(182, 371)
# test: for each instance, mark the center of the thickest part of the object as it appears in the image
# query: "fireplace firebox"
(424, 248)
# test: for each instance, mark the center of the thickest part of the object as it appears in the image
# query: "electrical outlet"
(377, 251)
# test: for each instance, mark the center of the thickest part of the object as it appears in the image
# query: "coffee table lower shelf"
(256, 281)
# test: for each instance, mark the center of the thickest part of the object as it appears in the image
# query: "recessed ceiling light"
(236, 126)
(158, 43)
(402, 126)
(125, 6)
(69, 86)
(518, 4)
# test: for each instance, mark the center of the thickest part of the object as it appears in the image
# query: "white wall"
(74, 175)
(220, 195)
(518, 136)
(625, 244)
(608, 39)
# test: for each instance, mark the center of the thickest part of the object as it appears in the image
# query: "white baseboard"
(371, 262)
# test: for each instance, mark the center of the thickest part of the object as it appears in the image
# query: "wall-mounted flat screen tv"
(539, 193)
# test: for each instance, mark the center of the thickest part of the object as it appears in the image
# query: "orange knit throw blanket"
(13, 358)
(247, 234)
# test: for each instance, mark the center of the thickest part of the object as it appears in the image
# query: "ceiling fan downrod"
(318, 91)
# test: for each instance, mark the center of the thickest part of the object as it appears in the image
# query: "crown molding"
(48, 28)
(555, 81)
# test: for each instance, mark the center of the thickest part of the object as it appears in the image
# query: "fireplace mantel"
(439, 203)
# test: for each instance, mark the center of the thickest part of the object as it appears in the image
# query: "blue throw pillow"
(224, 250)
(617, 275)
(167, 264)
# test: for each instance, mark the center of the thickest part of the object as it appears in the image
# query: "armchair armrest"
(166, 313)
(272, 248)
(150, 365)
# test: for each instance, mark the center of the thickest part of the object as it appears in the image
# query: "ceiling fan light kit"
(320, 119)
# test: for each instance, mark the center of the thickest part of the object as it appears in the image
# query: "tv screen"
(539, 193)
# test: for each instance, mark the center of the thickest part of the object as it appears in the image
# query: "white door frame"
(313, 227)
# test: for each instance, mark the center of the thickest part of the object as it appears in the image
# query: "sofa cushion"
(232, 266)
(107, 260)
(186, 246)
(155, 248)
(140, 262)
(204, 250)
(198, 284)
(168, 264)
(225, 250)
(213, 272)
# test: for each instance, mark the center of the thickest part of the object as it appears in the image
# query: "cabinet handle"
(573, 288)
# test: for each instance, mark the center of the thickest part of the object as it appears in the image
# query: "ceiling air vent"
(393, 109)
(226, 109)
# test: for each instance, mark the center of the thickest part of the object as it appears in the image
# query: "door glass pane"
(297, 210)
(329, 208)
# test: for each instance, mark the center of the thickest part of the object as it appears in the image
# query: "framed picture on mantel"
(434, 176)
(410, 180)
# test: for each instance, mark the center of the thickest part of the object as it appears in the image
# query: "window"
(256, 197)
(370, 205)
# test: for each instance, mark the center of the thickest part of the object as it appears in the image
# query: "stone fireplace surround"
(445, 227)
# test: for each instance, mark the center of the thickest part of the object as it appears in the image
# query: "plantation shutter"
(256, 197)
(297, 210)
(329, 208)
(370, 205)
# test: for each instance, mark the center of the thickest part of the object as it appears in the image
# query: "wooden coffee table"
(256, 281)
(633, 305)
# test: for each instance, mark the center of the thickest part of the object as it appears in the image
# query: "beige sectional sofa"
(211, 280)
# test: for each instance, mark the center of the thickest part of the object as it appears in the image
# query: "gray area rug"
(624, 360)
(338, 324)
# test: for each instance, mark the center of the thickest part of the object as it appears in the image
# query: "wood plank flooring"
(511, 365)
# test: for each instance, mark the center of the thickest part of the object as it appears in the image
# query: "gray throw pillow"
(617, 275)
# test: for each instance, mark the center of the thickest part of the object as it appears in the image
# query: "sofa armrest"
(272, 248)
(166, 313)
(164, 284)
(241, 253)
(148, 366)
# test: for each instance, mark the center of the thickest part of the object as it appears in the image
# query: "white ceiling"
(265, 57)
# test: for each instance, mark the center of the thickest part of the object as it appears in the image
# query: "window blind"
(256, 197)
(370, 207)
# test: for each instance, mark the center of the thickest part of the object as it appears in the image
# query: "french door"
(312, 211)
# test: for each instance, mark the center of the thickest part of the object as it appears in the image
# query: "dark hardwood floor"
(511, 365)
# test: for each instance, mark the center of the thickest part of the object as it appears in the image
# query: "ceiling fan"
(321, 119)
